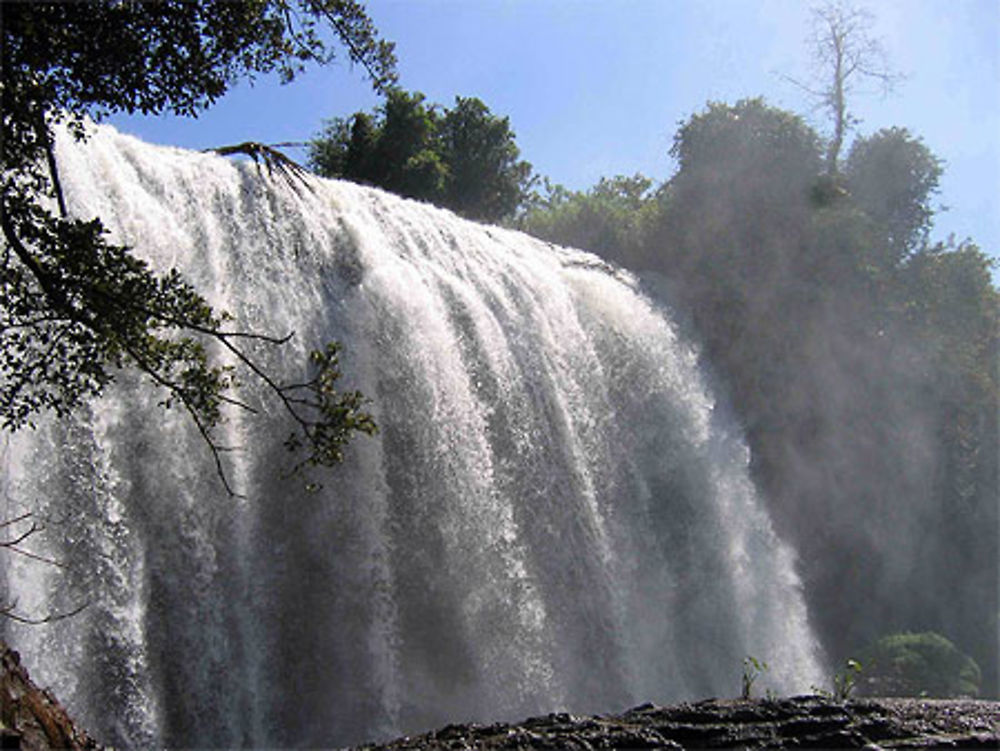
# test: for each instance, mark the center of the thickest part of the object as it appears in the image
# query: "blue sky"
(596, 88)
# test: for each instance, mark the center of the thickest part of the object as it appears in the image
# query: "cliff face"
(31, 718)
(801, 722)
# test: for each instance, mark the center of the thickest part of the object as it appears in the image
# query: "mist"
(860, 358)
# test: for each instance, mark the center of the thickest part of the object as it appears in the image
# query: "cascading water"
(553, 515)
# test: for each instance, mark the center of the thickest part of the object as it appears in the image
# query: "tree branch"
(14, 544)
(45, 136)
(290, 170)
(357, 54)
(8, 612)
(173, 388)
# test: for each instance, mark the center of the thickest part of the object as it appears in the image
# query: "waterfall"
(555, 514)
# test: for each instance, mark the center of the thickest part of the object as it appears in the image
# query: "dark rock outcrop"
(31, 718)
(800, 722)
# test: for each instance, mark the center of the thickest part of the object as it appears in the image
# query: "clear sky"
(596, 88)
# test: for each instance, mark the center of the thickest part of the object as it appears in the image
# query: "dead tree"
(845, 56)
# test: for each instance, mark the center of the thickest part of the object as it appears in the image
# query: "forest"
(859, 357)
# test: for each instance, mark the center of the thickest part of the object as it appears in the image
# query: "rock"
(799, 722)
(30, 718)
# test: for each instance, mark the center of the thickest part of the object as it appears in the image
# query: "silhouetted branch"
(9, 610)
(14, 544)
(288, 169)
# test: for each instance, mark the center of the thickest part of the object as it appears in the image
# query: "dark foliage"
(893, 176)
(75, 309)
(463, 158)
(924, 664)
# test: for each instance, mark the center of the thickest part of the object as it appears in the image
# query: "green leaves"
(845, 681)
(464, 159)
(76, 309)
(893, 176)
(612, 219)
(326, 416)
(752, 670)
(488, 181)
(921, 664)
(175, 55)
(86, 309)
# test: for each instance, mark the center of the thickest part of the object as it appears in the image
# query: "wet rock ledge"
(800, 722)
(31, 718)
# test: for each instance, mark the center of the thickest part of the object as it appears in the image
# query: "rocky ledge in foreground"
(800, 722)
(32, 719)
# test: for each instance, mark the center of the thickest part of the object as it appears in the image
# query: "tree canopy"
(894, 175)
(610, 219)
(464, 158)
(74, 308)
(919, 664)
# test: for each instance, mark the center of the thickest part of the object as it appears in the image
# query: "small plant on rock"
(845, 681)
(752, 670)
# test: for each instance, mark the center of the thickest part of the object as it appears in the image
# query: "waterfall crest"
(553, 515)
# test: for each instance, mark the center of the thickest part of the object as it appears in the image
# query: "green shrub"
(924, 664)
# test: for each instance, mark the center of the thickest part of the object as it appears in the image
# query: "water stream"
(554, 514)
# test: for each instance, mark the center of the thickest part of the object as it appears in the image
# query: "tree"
(947, 312)
(487, 180)
(844, 55)
(861, 364)
(393, 149)
(611, 219)
(74, 308)
(891, 176)
(361, 146)
(464, 159)
(405, 160)
(919, 664)
(739, 212)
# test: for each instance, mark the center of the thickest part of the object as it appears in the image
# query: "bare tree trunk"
(844, 54)
(838, 105)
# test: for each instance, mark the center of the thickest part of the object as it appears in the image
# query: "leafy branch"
(76, 310)
(85, 302)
